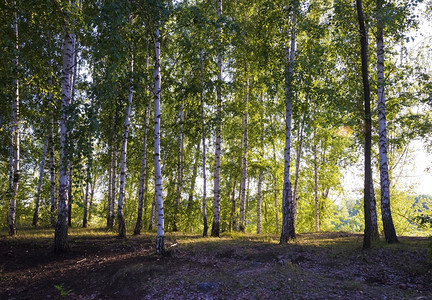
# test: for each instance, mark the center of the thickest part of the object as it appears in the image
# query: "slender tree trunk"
(113, 179)
(72, 100)
(315, 153)
(259, 200)
(160, 249)
(373, 211)
(368, 131)
(275, 189)
(244, 159)
(216, 205)
(61, 230)
(194, 175)
(389, 229)
(86, 198)
(41, 172)
(120, 216)
(53, 199)
(154, 208)
(297, 167)
(152, 213)
(233, 223)
(179, 169)
(92, 188)
(109, 192)
(204, 202)
(288, 222)
(70, 183)
(143, 184)
(143, 173)
(15, 136)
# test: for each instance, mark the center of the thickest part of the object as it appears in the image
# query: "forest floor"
(235, 266)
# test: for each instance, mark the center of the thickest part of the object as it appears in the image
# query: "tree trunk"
(179, 169)
(109, 200)
(259, 201)
(53, 199)
(61, 230)
(152, 213)
(113, 178)
(120, 216)
(275, 189)
(244, 159)
(233, 223)
(41, 172)
(143, 173)
(86, 198)
(315, 153)
(216, 204)
(70, 183)
(160, 249)
(389, 229)
(288, 222)
(368, 131)
(92, 188)
(15, 136)
(297, 167)
(374, 222)
(204, 203)
(194, 175)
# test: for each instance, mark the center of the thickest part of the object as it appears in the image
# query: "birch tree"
(120, 216)
(216, 188)
(14, 162)
(204, 202)
(61, 230)
(158, 174)
(288, 219)
(244, 157)
(389, 230)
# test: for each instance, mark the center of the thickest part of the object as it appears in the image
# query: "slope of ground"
(315, 266)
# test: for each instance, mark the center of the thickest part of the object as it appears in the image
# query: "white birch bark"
(61, 230)
(160, 249)
(143, 172)
(120, 215)
(70, 183)
(15, 135)
(288, 224)
(389, 230)
(244, 159)
(216, 198)
(204, 202)
(38, 191)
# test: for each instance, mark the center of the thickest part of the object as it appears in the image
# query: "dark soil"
(315, 266)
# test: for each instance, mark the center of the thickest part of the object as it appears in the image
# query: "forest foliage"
(327, 113)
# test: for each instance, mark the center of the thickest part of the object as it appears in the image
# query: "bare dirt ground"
(315, 266)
